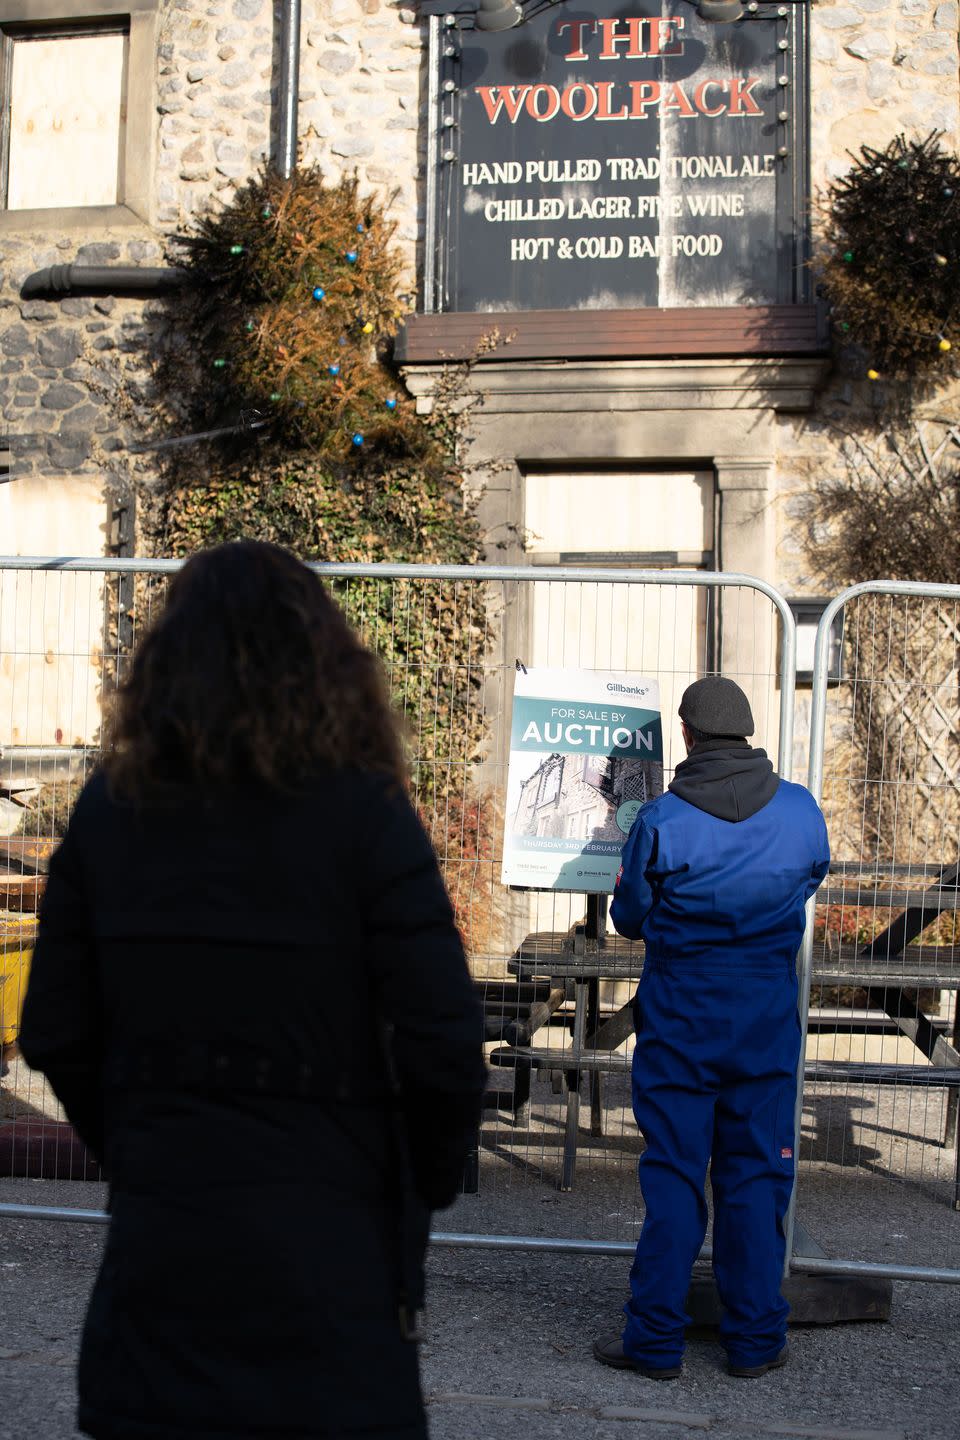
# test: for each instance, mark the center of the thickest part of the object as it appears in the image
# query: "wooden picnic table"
(889, 968)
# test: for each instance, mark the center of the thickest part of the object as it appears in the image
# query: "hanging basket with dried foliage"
(293, 295)
(889, 260)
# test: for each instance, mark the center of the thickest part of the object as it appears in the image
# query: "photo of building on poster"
(586, 751)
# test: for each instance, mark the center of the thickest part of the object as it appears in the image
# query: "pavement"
(508, 1348)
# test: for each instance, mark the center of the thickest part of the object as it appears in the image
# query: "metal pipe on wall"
(55, 281)
(288, 87)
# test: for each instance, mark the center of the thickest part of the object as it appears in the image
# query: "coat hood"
(726, 778)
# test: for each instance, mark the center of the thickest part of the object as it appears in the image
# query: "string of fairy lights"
(329, 377)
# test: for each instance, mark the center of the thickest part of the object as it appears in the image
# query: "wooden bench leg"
(570, 1136)
(522, 1076)
(596, 1103)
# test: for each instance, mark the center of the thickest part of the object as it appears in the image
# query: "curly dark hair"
(250, 673)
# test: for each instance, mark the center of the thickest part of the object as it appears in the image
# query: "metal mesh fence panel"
(549, 971)
(879, 1162)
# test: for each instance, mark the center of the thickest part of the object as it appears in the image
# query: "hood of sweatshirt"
(726, 778)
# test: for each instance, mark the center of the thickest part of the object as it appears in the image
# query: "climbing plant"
(293, 294)
(280, 342)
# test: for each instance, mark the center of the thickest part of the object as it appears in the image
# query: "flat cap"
(717, 706)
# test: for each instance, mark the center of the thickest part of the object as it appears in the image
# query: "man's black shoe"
(753, 1372)
(609, 1351)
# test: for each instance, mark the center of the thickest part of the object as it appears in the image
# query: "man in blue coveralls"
(715, 876)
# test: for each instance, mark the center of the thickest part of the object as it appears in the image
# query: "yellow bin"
(16, 951)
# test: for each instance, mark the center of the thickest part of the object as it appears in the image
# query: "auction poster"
(586, 751)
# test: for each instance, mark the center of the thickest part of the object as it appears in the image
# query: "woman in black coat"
(249, 993)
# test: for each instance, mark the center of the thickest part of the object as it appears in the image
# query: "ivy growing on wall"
(282, 338)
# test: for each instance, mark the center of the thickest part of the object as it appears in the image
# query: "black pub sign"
(605, 156)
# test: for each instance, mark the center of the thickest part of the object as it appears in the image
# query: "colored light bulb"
(236, 249)
(275, 395)
(266, 212)
(366, 328)
(944, 345)
(219, 364)
(318, 292)
(873, 374)
(350, 256)
(360, 228)
(848, 256)
(333, 369)
(249, 326)
(357, 439)
(940, 260)
(390, 403)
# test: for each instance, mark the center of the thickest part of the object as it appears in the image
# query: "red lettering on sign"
(579, 27)
(644, 94)
(588, 102)
(508, 98)
(534, 106)
(676, 99)
(741, 101)
(603, 106)
(700, 97)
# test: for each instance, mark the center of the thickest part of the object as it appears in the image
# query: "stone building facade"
(201, 82)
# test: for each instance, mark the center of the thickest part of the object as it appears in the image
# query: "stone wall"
(877, 67)
(64, 406)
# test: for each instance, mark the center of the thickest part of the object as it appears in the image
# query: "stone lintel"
(597, 385)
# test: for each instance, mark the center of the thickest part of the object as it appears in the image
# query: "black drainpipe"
(58, 280)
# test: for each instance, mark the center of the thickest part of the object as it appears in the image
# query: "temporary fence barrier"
(450, 639)
(878, 1146)
(555, 985)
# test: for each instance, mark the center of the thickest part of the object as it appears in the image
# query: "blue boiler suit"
(715, 876)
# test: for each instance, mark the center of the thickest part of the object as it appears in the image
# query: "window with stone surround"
(64, 110)
(76, 112)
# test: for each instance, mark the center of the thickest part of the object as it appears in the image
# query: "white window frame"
(137, 159)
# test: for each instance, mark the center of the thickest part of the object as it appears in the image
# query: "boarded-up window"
(65, 112)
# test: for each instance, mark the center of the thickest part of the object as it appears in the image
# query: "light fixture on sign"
(498, 15)
(505, 14)
(807, 614)
(720, 12)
